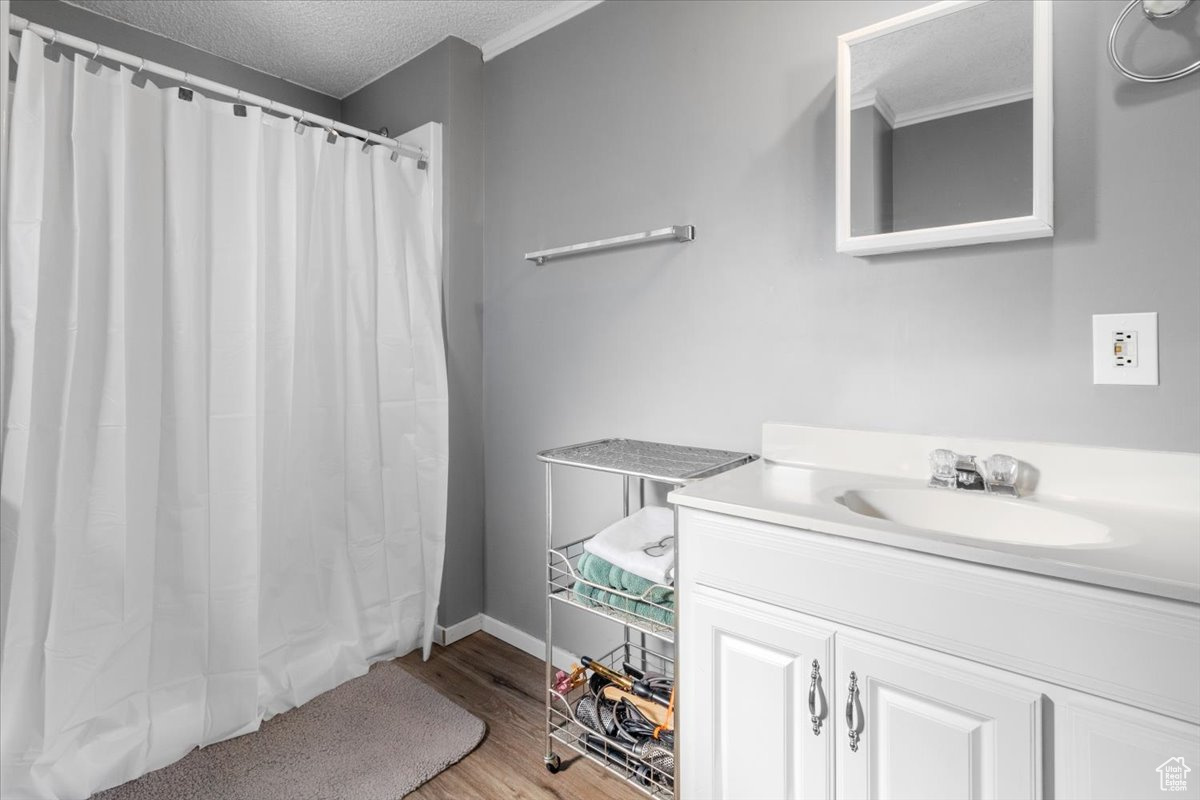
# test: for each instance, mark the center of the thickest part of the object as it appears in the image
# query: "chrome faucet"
(997, 475)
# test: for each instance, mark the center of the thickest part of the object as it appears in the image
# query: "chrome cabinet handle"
(812, 698)
(851, 702)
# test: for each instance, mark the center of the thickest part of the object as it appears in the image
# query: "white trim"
(1043, 113)
(555, 15)
(992, 230)
(446, 635)
(527, 642)
(962, 107)
(873, 98)
(894, 24)
(5, 11)
(1040, 222)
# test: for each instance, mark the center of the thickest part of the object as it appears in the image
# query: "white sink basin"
(976, 516)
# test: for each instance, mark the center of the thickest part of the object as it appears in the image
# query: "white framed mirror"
(945, 128)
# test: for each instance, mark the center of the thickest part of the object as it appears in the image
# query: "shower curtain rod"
(139, 64)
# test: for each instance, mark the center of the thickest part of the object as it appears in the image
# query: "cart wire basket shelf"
(653, 775)
(652, 612)
(665, 463)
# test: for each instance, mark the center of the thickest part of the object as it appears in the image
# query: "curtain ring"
(54, 38)
(140, 71)
(96, 54)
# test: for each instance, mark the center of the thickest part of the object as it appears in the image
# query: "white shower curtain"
(224, 468)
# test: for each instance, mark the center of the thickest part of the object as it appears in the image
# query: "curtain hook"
(300, 124)
(139, 78)
(184, 92)
(53, 38)
(96, 54)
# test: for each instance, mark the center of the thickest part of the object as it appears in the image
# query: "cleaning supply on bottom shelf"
(655, 602)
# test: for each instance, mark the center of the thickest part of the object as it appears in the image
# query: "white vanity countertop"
(1152, 549)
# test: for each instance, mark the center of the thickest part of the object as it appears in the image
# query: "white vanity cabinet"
(935, 678)
(923, 724)
(759, 694)
(1109, 751)
(774, 696)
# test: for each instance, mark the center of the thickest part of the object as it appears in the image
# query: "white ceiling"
(333, 46)
(980, 52)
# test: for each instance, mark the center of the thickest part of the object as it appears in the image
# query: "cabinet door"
(1110, 751)
(746, 669)
(919, 724)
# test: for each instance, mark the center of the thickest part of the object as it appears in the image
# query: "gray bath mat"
(377, 737)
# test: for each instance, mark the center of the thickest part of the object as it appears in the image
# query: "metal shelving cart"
(649, 614)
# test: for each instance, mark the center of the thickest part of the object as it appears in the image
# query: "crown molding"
(962, 107)
(543, 22)
(872, 97)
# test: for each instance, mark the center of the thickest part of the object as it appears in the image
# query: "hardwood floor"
(503, 686)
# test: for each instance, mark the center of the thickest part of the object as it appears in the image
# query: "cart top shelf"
(665, 463)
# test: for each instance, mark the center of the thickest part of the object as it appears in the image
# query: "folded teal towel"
(597, 570)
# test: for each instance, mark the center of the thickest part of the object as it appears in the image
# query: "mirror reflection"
(941, 121)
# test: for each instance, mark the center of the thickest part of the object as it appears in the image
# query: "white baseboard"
(527, 642)
(446, 635)
(449, 634)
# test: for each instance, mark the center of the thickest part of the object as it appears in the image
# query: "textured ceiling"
(332, 46)
(978, 52)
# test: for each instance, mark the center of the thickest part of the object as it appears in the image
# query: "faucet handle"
(943, 468)
(1002, 472)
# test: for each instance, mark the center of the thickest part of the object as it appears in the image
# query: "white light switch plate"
(1136, 335)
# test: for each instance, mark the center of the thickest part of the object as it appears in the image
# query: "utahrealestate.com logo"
(1172, 775)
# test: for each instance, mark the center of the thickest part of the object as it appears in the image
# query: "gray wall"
(963, 168)
(719, 114)
(871, 208)
(76, 21)
(445, 84)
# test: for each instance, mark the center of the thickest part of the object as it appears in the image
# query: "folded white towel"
(623, 544)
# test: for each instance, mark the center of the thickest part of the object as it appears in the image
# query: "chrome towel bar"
(680, 233)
